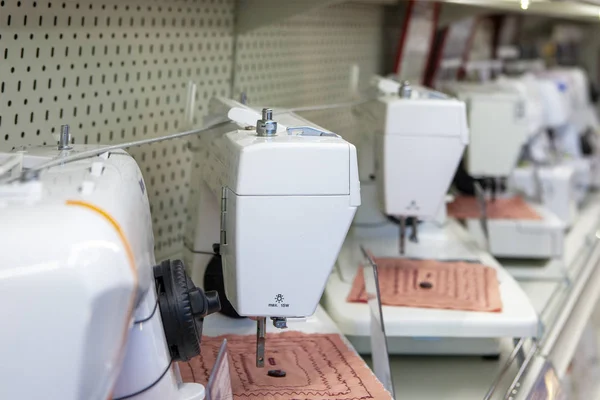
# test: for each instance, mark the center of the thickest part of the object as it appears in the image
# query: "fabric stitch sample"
(467, 207)
(433, 284)
(317, 366)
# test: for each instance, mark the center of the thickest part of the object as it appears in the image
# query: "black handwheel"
(183, 307)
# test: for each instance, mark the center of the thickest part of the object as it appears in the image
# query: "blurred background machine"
(499, 129)
(407, 161)
(538, 176)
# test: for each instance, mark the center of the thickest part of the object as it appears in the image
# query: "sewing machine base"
(522, 238)
(192, 391)
(432, 346)
(582, 233)
(558, 187)
(583, 177)
(185, 391)
(543, 268)
(517, 319)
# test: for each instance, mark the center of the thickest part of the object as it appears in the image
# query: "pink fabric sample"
(433, 284)
(466, 207)
(317, 366)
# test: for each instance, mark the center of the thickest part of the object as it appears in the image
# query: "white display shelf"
(564, 307)
(557, 9)
(448, 378)
(254, 14)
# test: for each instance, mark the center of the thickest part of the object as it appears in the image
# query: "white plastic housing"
(556, 107)
(418, 144)
(522, 238)
(578, 89)
(531, 91)
(583, 177)
(76, 271)
(498, 128)
(594, 161)
(285, 211)
(558, 189)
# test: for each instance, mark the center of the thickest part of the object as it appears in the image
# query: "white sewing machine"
(91, 314)
(538, 176)
(419, 138)
(499, 129)
(278, 198)
(573, 86)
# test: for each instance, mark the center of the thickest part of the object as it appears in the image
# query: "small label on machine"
(279, 301)
(219, 383)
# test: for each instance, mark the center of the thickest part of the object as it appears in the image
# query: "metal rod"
(512, 389)
(402, 234)
(64, 139)
(267, 113)
(517, 350)
(261, 328)
(323, 107)
(483, 219)
(104, 149)
(414, 237)
(493, 189)
(537, 184)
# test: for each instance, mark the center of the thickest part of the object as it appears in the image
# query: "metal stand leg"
(520, 353)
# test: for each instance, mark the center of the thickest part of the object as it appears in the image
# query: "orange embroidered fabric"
(317, 366)
(467, 207)
(433, 284)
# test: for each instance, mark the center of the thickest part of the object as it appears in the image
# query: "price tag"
(379, 347)
(219, 383)
(547, 386)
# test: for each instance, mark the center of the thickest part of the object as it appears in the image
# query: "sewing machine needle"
(483, 219)
(493, 188)
(260, 341)
(414, 237)
(402, 234)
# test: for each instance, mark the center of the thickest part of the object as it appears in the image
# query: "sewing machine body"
(77, 260)
(404, 131)
(497, 124)
(279, 206)
(499, 128)
(559, 186)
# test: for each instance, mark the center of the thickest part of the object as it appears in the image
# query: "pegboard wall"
(118, 71)
(307, 60)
